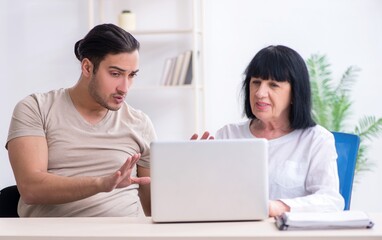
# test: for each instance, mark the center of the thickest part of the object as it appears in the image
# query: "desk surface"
(144, 228)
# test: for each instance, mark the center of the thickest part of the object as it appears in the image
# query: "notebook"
(323, 220)
(209, 180)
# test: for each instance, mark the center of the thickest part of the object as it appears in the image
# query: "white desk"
(143, 228)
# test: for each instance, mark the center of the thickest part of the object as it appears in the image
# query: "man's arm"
(144, 190)
(29, 161)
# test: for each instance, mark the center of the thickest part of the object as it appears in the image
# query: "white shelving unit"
(165, 29)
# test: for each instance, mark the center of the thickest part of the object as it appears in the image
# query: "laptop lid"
(209, 180)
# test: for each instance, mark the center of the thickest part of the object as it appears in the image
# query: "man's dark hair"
(102, 40)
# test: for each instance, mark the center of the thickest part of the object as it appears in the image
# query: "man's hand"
(206, 135)
(122, 178)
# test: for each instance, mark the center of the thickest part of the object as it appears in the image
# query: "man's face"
(110, 84)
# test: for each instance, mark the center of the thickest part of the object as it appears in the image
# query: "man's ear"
(86, 67)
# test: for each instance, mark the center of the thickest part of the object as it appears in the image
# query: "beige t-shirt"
(77, 148)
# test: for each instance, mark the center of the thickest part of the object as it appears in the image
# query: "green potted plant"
(331, 105)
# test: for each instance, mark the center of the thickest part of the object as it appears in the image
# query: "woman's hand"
(206, 135)
(276, 208)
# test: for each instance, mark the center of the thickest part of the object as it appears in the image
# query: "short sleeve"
(26, 120)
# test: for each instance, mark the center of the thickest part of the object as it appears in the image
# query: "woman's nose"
(262, 91)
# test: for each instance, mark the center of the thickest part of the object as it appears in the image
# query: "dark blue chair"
(9, 199)
(347, 148)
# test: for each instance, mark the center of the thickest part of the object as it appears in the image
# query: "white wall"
(37, 55)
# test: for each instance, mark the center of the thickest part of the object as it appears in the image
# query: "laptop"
(209, 180)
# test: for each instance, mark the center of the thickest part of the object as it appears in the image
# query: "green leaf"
(369, 127)
(348, 79)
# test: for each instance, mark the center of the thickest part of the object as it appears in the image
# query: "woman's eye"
(256, 82)
(274, 85)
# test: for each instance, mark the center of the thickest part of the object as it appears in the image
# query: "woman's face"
(270, 100)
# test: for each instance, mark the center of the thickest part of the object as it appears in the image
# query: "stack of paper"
(328, 220)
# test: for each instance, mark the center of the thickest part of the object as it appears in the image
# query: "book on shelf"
(177, 70)
(189, 73)
(323, 220)
(168, 71)
(186, 70)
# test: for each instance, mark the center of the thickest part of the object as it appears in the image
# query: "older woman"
(302, 156)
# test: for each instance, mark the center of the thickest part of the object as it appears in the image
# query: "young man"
(83, 151)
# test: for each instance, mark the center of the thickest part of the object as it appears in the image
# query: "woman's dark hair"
(102, 40)
(282, 64)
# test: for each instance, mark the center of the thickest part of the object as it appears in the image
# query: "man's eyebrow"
(123, 70)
